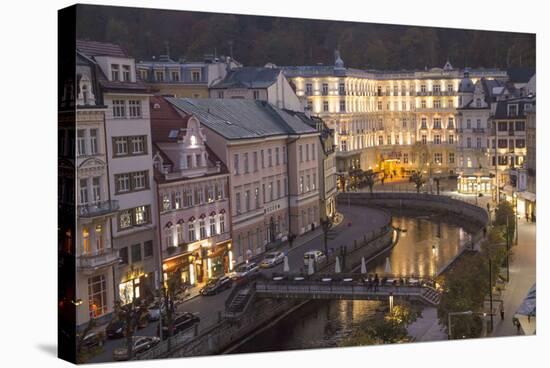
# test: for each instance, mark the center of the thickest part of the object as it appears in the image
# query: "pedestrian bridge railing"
(347, 286)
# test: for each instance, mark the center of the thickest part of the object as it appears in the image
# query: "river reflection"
(426, 246)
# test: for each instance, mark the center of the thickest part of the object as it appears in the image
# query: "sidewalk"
(427, 328)
(522, 277)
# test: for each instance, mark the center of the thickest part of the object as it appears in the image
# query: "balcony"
(91, 262)
(97, 209)
(478, 130)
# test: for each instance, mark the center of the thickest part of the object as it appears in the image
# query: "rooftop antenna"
(231, 49)
(167, 48)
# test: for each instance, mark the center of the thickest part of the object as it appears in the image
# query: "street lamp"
(391, 302)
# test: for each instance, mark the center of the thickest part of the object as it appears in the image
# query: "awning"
(531, 197)
(529, 305)
(527, 312)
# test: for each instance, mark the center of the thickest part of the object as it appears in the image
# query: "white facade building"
(129, 157)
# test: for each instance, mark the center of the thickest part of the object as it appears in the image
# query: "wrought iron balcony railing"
(96, 209)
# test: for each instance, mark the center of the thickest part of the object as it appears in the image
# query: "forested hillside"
(256, 40)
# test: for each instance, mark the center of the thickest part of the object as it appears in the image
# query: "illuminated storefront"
(474, 184)
(135, 285)
(218, 260)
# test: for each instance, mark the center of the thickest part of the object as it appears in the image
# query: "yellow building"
(394, 122)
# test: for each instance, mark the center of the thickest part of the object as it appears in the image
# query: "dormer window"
(126, 73)
(159, 76)
(196, 75)
(115, 72)
(144, 74)
(513, 110)
(478, 102)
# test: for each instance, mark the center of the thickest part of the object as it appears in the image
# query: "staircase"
(431, 296)
(238, 302)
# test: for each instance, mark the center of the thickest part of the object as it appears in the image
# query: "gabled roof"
(242, 119)
(520, 75)
(165, 119)
(91, 49)
(95, 48)
(501, 111)
(249, 77)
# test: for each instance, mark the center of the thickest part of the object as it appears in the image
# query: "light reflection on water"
(322, 324)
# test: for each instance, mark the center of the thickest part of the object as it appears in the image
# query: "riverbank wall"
(222, 336)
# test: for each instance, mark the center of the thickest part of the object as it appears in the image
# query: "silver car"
(139, 344)
(272, 259)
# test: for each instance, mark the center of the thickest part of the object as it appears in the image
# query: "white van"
(317, 256)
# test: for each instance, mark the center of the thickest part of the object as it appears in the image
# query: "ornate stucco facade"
(391, 122)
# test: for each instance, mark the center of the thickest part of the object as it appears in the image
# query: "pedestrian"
(376, 281)
(502, 313)
(527, 217)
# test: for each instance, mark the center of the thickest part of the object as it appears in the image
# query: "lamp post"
(491, 290)
(507, 249)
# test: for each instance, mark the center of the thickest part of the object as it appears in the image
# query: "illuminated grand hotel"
(393, 122)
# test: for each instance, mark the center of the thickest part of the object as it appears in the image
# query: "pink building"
(272, 157)
(192, 192)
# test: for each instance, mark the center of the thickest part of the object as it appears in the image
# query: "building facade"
(272, 160)
(476, 103)
(129, 158)
(509, 149)
(95, 254)
(391, 122)
(184, 78)
(193, 200)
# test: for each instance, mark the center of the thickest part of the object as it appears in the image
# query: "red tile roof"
(164, 119)
(95, 48)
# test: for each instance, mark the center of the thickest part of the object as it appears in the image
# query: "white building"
(473, 131)
(129, 157)
(96, 257)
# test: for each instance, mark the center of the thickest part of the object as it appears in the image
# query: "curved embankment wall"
(428, 203)
(474, 217)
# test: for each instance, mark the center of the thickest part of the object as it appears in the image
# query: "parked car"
(115, 328)
(272, 259)
(181, 323)
(93, 339)
(317, 256)
(245, 270)
(155, 310)
(216, 285)
(139, 345)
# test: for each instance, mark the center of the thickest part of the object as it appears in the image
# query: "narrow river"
(426, 246)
